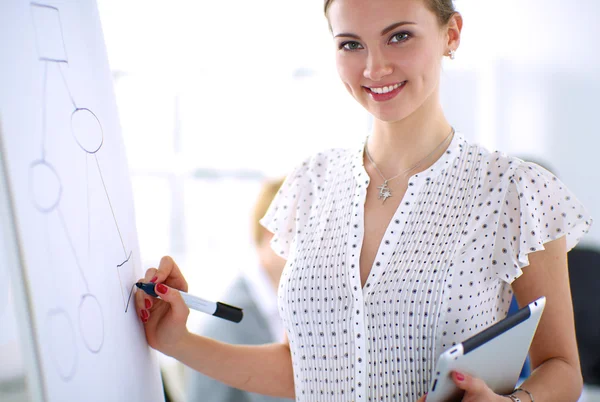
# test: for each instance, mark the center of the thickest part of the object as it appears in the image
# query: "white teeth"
(387, 89)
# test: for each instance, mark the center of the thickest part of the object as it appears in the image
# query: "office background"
(214, 96)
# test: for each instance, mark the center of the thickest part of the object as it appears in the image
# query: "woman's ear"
(454, 29)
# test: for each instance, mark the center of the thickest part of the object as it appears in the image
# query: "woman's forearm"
(264, 369)
(554, 380)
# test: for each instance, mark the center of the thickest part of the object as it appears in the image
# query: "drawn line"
(124, 262)
(89, 228)
(64, 225)
(44, 111)
(43, 5)
(42, 208)
(121, 283)
(62, 34)
(129, 298)
(53, 60)
(82, 146)
(37, 45)
(67, 86)
(110, 204)
(91, 348)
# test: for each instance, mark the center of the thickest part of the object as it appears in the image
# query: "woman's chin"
(391, 113)
(389, 117)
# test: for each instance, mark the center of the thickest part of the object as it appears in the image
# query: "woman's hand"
(475, 390)
(165, 318)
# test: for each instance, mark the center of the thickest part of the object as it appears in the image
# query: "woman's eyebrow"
(396, 25)
(385, 31)
(349, 35)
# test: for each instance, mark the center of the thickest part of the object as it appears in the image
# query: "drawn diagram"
(47, 193)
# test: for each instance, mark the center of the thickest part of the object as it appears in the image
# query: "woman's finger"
(150, 275)
(140, 306)
(472, 385)
(179, 309)
(423, 398)
(146, 302)
(169, 273)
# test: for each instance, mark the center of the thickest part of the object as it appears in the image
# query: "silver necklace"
(384, 191)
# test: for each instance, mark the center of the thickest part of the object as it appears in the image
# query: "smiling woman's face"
(388, 54)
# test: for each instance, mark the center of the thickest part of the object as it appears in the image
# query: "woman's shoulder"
(331, 157)
(322, 165)
(304, 187)
(498, 166)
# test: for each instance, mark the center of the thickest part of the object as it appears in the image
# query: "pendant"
(384, 191)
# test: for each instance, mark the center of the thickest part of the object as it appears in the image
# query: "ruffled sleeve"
(284, 213)
(537, 209)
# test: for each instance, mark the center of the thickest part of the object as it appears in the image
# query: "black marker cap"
(228, 312)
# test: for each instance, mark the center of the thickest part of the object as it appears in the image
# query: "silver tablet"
(495, 355)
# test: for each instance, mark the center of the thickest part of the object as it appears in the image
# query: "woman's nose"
(377, 67)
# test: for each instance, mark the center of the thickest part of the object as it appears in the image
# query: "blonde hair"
(444, 9)
(266, 195)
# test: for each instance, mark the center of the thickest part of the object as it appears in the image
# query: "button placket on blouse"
(358, 322)
(361, 293)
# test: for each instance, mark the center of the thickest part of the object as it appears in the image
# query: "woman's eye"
(351, 46)
(400, 37)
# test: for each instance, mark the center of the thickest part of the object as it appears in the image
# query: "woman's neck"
(399, 145)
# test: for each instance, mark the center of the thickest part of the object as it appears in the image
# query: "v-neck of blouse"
(398, 221)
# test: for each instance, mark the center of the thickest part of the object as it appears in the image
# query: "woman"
(402, 247)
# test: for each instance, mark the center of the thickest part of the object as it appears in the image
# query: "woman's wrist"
(524, 395)
(520, 395)
(179, 349)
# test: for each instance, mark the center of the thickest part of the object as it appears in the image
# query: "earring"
(452, 54)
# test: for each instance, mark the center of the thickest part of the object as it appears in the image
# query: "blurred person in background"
(397, 249)
(256, 292)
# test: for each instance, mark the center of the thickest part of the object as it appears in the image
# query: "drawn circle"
(91, 322)
(87, 130)
(61, 341)
(44, 185)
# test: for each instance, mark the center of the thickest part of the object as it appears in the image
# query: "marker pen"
(218, 309)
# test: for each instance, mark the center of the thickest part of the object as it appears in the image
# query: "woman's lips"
(392, 91)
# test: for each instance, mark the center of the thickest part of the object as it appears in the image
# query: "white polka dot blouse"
(442, 273)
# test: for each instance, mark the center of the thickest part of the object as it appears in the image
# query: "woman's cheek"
(348, 75)
(349, 89)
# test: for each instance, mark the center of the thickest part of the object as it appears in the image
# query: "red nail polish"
(148, 303)
(144, 315)
(154, 279)
(460, 377)
(144, 320)
(160, 288)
